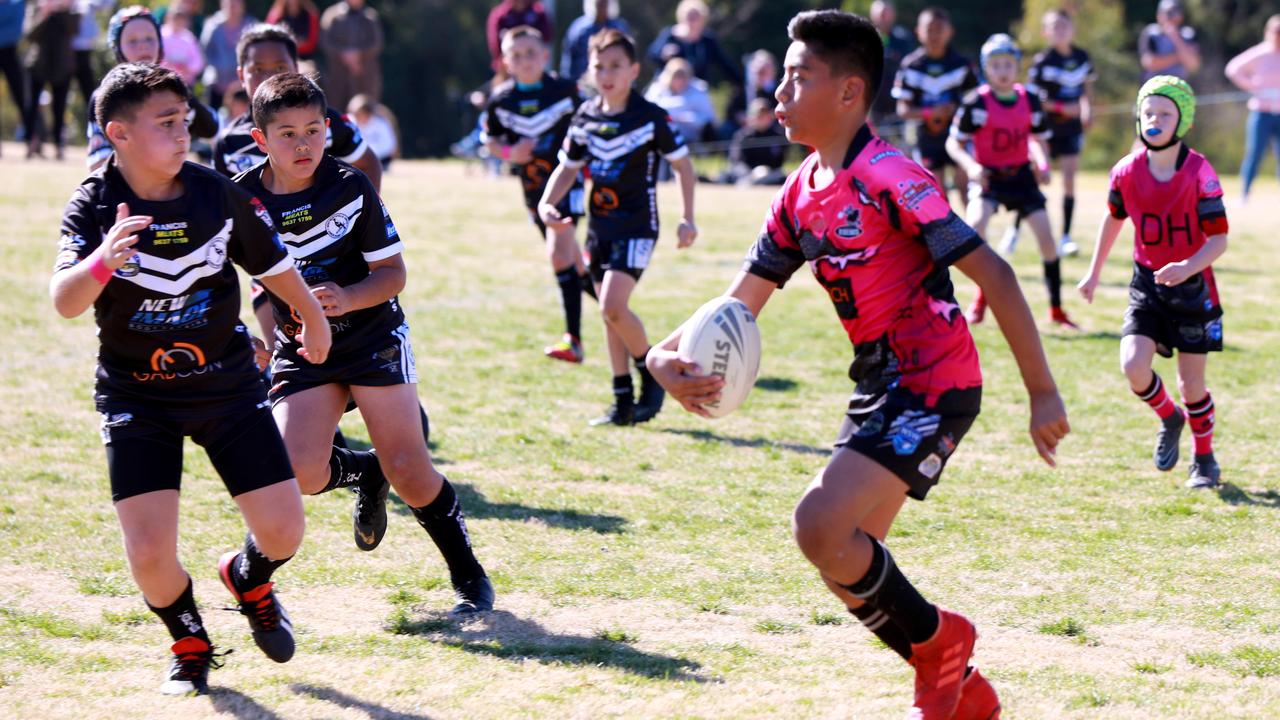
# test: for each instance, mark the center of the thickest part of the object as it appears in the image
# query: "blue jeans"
(1260, 128)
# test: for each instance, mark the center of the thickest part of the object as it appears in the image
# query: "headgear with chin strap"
(1000, 44)
(1183, 97)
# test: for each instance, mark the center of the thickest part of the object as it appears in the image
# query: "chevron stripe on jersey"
(1066, 78)
(612, 148)
(536, 125)
(935, 86)
(323, 234)
(176, 276)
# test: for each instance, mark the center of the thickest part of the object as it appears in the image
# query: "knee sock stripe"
(1152, 390)
(876, 547)
(1197, 410)
(874, 622)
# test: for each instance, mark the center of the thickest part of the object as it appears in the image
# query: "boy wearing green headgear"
(1180, 227)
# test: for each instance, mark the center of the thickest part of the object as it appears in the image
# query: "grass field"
(650, 572)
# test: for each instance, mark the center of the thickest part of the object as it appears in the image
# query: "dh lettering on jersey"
(1156, 229)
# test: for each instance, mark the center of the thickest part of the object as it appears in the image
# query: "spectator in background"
(1167, 46)
(50, 26)
(597, 15)
(194, 9)
(236, 100)
(182, 53)
(377, 127)
(11, 16)
(897, 43)
(757, 150)
(509, 14)
(86, 41)
(685, 99)
(1257, 71)
(221, 33)
(351, 38)
(761, 82)
(690, 39)
(303, 20)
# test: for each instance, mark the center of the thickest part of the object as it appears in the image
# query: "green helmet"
(1177, 90)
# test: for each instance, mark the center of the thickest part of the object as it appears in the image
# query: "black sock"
(623, 392)
(339, 439)
(646, 378)
(426, 423)
(1053, 281)
(1017, 222)
(884, 628)
(447, 525)
(352, 467)
(251, 568)
(571, 298)
(588, 285)
(182, 618)
(1068, 209)
(886, 589)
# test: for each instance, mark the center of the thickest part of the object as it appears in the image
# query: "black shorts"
(628, 255)
(931, 152)
(910, 439)
(144, 454)
(1183, 318)
(1067, 138)
(572, 206)
(1016, 189)
(382, 364)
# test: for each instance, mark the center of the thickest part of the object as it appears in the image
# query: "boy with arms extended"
(525, 124)
(619, 135)
(1007, 127)
(877, 233)
(145, 241)
(930, 83)
(349, 253)
(1180, 227)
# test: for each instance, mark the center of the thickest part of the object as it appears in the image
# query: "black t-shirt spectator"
(704, 54)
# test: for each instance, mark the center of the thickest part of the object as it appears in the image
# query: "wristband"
(1042, 169)
(926, 113)
(1058, 106)
(99, 270)
(506, 152)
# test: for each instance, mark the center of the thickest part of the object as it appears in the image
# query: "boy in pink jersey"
(1180, 228)
(1008, 129)
(876, 231)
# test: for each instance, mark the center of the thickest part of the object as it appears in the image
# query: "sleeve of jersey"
(969, 119)
(254, 244)
(99, 146)
(80, 234)
(670, 142)
(775, 255)
(348, 143)
(1115, 196)
(380, 239)
(924, 213)
(491, 128)
(1039, 119)
(1212, 213)
(573, 153)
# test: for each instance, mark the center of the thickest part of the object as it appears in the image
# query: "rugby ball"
(723, 339)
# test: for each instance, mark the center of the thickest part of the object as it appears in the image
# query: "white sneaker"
(1068, 247)
(1009, 242)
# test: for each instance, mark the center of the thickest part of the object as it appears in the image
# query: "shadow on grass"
(758, 442)
(776, 384)
(1232, 495)
(501, 634)
(237, 704)
(343, 700)
(1095, 335)
(476, 506)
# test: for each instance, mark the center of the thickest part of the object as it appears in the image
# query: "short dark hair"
(521, 31)
(128, 86)
(612, 37)
(286, 90)
(849, 44)
(938, 13)
(1057, 13)
(264, 33)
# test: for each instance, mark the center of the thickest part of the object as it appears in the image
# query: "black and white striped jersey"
(926, 82)
(1055, 77)
(542, 114)
(621, 153)
(235, 151)
(169, 327)
(332, 230)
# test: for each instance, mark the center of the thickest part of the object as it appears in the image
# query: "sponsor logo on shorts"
(639, 252)
(1191, 333)
(930, 466)
(1214, 330)
(910, 429)
(871, 426)
(946, 445)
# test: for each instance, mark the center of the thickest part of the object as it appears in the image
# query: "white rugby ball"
(723, 339)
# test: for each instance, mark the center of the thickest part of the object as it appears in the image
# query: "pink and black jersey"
(999, 129)
(1171, 219)
(879, 239)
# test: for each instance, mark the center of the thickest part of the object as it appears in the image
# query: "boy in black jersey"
(525, 123)
(348, 251)
(929, 86)
(619, 135)
(145, 241)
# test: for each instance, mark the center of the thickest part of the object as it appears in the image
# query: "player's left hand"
(686, 233)
(261, 355)
(1044, 175)
(332, 298)
(1048, 424)
(1174, 273)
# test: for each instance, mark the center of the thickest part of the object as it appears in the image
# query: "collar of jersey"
(529, 87)
(859, 142)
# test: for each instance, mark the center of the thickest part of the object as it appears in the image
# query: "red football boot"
(568, 350)
(940, 663)
(978, 700)
(1059, 317)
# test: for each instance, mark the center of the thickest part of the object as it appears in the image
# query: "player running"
(1008, 129)
(1180, 228)
(929, 87)
(348, 251)
(618, 136)
(525, 123)
(145, 241)
(877, 233)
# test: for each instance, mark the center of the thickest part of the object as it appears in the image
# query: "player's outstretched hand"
(332, 298)
(686, 234)
(316, 340)
(117, 248)
(1175, 273)
(551, 216)
(1048, 424)
(1087, 286)
(686, 382)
